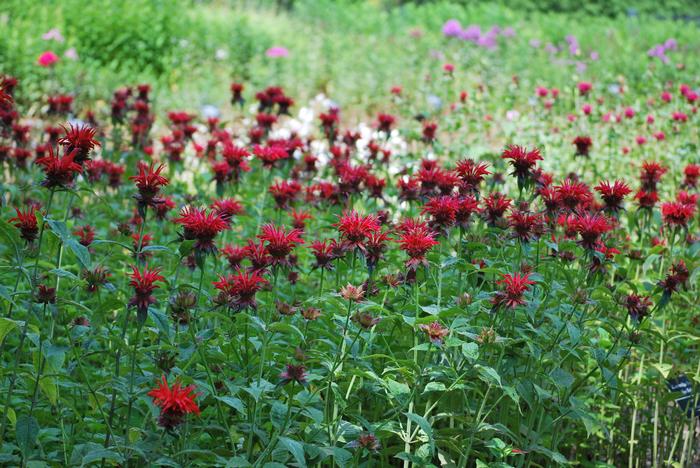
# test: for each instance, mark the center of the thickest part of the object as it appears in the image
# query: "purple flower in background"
(71, 54)
(53, 35)
(509, 32)
(659, 50)
(535, 43)
(581, 67)
(277, 52)
(551, 48)
(472, 33)
(595, 55)
(488, 40)
(573, 44)
(451, 28)
(436, 54)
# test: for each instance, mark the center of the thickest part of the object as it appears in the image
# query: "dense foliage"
(488, 256)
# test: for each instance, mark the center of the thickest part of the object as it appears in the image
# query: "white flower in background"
(209, 111)
(435, 102)
(71, 54)
(512, 115)
(53, 35)
(221, 54)
(280, 133)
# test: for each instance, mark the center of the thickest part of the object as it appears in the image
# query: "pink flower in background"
(53, 35)
(448, 68)
(71, 54)
(47, 59)
(277, 52)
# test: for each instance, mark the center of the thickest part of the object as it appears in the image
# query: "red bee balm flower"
(471, 173)
(590, 227)
(239, 289)
(613, 194)
(583, 145)
(26, 222)
(522, 160)
(80, 139)
(651, 174)
(416, 242)
(149, 182)
(280, 243)
(293, 373)
(201, 226)
(143, 283)
(442, 211)
(677, 214)
(436, 332)
(495, 205)
(175, 403)
(59, 171)
(354, 228)
(512, 294)
(525, 225)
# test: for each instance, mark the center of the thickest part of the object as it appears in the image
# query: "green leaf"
(431, 309)
(663, 368)
(61, 273)
(295, 448)
(158, 248)
(26, 430)
(488, 374)
(10, 236)
(470, 351)
(161, 321)
(6, 326)
(435, 387)
(425, 427)
(186, 247)
(48, 386)
(561, 378)
(99, 454)
(81, 252)
(234, 403)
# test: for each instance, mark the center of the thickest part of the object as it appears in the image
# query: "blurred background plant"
(347, 49)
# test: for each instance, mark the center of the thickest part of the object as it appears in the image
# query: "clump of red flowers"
(416, 240)
(79, 139)
(143, 282)
(280, 242)
(523, 162)
(677, 214)
(613, 194)
(583, 145)
(238, 290)
(354, 229)
(26, 222)
(175, 403)
(436, 332)
(514, 287)
(59, 170)
(201, 226)
(149, 182)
